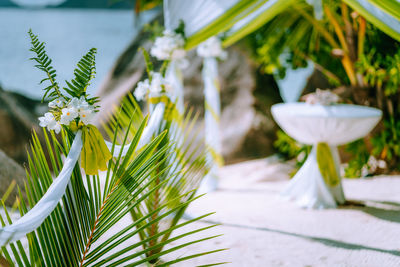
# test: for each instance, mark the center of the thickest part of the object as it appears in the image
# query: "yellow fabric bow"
(95, 153)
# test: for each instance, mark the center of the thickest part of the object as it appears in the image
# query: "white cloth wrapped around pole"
(212, 118)
(35, 217)
(148, 132)
(175, 80)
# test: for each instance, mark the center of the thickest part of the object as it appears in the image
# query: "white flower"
(86, 115)
(56, 127)
(56, 103)
(157, 84)
(153, 89)
(50, 122)
(46, 120)
(78, 103)
(169, 46)
(212, 47)
(68, 114)
(141, 90)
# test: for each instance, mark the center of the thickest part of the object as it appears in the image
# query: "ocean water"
(69, 34)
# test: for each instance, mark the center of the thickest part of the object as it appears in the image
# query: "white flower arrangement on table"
(212, 47)
(322, 97)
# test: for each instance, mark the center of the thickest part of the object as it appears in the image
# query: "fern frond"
(44, 63)
(84, 73)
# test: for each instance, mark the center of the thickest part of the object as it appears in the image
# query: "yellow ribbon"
(170, 107)
(326, 164)
(95, 154)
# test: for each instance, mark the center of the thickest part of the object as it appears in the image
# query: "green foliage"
(350, 52)
(381, 70)
(154, 183)
(386, 144)
(360, 158)
(84, 73)
(155, 29)
(290, 148)
(79, 232)
(44, 63)
(181, 29)
(148, 62)
(186, 160)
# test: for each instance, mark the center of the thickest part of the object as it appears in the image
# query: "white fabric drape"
(148, 132)
(308, 188)
(313, 124)
(335, 125)
(175, 79)
(212, 118)
(195, 14)
(35, 217)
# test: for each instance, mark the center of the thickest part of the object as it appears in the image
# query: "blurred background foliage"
(359, 62)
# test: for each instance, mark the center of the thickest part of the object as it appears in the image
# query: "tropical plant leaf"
(75, 232)
(84, 73)
(186, 165)
(44, 64)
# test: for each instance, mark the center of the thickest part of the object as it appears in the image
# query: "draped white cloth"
(175, 79)
(195, 14)
(151, 128)
(35, 217)
(313, 124)
(212, 118)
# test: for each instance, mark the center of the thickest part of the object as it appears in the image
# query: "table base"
(308, 188)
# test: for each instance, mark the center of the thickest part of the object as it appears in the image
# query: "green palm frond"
(44, 63)
(185, 160)
(154, 182)
(84, 73)
(75, 233)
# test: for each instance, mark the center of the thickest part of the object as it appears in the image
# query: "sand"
(261, 229)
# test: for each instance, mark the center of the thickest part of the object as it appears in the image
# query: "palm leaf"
(186, 165)
(74, 233)
(384, 14)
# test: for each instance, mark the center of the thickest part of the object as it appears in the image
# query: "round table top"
(335, 124)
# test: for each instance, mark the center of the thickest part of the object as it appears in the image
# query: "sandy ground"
(261, 229)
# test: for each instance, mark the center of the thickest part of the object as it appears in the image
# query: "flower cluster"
(212, 47)
(322, 97)
(168, 46)
(372, 166)
(63, 113)
(155, 88)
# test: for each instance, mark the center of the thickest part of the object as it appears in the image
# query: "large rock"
(10, 171)
(247, 127)
(18, 116)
